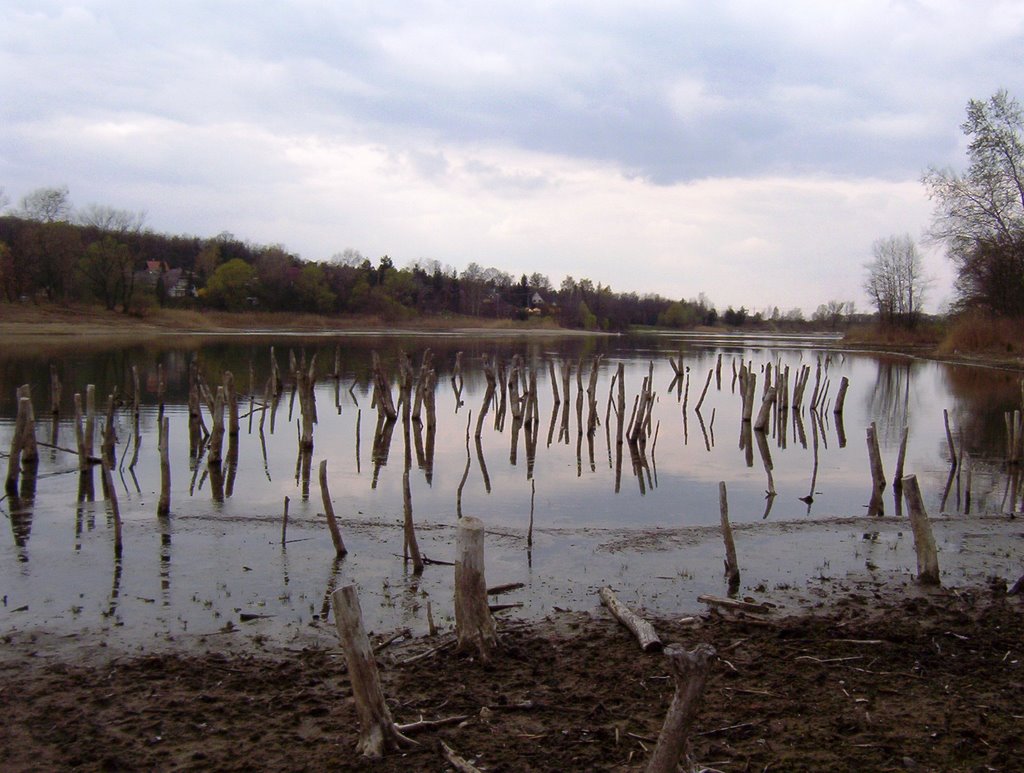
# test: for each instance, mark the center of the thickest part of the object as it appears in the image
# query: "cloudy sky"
(752, 151)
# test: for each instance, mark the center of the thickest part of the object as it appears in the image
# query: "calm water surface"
(219, 555)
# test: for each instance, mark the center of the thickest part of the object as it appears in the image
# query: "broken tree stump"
(474, 624)
(377, 731)
(690, 670)
(924, 540)
(638, 626)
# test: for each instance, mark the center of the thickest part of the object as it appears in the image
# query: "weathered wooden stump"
(474, 624)
(690, 670)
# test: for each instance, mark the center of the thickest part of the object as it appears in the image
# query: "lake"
(643, 519)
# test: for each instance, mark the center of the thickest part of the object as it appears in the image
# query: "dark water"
(219, 555)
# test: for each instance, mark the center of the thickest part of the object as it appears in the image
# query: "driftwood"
(474, 624)
(690, 670)
(456, 761)
(377, 731)
(638, 626)
(924, 541)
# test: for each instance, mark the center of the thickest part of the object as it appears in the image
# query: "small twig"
(456, 761)
(426, 724)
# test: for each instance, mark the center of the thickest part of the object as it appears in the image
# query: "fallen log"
(738, 606)
(638, 626)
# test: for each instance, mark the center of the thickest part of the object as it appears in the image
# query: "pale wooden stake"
(474, 625)
(924, 540)
(765, 412)
(638, 626)
(377, 731)
(690, 670)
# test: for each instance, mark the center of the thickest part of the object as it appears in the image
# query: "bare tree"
(5, 200)
(47, 205)
(896, 282)
(111, 220)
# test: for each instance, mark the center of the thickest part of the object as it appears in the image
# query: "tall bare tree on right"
(979, 214)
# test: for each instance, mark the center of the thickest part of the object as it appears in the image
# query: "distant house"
(537, 300)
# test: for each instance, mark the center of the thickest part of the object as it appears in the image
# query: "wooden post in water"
(332, 522)
(876, 505)
(924, 540)
(732, 567)
(844, 384)
(164, 505)
(949, 439)
(765, 413)
(377, 731)
(474, 624)
(14, 459)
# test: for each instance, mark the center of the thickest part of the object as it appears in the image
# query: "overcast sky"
(752, 151)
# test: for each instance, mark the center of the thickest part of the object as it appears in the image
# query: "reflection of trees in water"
(982, 395)
(890, 398)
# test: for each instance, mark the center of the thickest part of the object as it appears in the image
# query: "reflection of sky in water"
(575, 487)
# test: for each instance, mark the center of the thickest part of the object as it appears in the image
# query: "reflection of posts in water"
(305, 385)
(551, 426)
(897, 482)
(531, 448)
(513, 455)
(332, 582)
(809, 499)
(115, 511)
(592, 419)
(488, 395)
(381, 445)
(732, 567)
(840, 430)
(555, 397)
(876, 506)
(590, 451)
(483, 464)
(428, 455)
(231, 465)
(22, 507)
(746, 442)
(798, 424)
(216, 473)
(231, 402)
(303, 471)
(164, 524)
(639, 461)
(766, 460)
(563, 428)
(359, 416)
(465, 472)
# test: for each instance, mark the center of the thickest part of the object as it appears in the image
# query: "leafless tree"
(47, 205)
(896, 282)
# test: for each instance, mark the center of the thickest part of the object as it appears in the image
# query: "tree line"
(101, 254)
